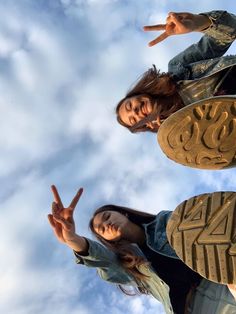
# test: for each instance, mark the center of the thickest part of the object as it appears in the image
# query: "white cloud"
(64, 65)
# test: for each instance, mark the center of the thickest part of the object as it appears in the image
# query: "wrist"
(204, 22)
(71, 238)
(78, 244)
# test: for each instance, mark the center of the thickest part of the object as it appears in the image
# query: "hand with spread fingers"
(62, 221)
(177, 24)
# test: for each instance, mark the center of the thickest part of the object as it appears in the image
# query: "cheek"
(98, 233)
(122, 116)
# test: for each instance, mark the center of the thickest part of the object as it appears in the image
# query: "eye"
(107, 216)
(128, 106)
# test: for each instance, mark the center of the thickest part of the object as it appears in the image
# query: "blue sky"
(63, 67)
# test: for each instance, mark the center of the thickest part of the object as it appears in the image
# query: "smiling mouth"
(144, 109)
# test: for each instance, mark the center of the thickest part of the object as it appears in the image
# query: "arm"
(177, 24)
(215, 42)
(106, 263)
(87, 252)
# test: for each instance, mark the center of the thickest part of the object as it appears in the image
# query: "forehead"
(123, 105)
(126, 101)
(122, 112)
(99, 217)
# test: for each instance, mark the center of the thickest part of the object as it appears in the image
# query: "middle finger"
(157, 27)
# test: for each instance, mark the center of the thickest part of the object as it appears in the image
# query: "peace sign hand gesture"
(178, 23)
(61, 219)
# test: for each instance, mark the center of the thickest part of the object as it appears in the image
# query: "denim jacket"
(206, 57)
(110, 269)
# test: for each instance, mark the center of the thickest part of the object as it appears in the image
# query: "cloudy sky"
(64, 64)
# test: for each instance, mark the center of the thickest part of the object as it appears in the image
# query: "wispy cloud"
(64, 65)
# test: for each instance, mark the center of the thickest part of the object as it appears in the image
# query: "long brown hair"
(159, 86)
(124, 250)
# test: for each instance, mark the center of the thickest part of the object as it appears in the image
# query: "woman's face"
(111, 225)
(134, 109)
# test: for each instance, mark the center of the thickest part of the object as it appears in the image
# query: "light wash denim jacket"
(110, 270)
(199, 60)
(206, 57)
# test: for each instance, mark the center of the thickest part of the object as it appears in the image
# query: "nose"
(106, 224)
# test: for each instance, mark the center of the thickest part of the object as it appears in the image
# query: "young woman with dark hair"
(137, 253)
(199, 72)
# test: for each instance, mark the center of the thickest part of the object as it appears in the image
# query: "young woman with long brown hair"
(199, 72)
(137, 253)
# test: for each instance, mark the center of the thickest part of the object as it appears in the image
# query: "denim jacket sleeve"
(215, 42)
(110, 270)
(156, 234)
(106, 263)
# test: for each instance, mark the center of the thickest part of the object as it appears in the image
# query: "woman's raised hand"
(178, 23)
(61, 219)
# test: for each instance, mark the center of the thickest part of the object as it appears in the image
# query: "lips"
(145, 109)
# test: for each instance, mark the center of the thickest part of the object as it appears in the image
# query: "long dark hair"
(162, 88)
(124, 250)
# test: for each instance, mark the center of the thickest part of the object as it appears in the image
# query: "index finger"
(157, 27)
(158, 39)
(57, 197)
(76, 199)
